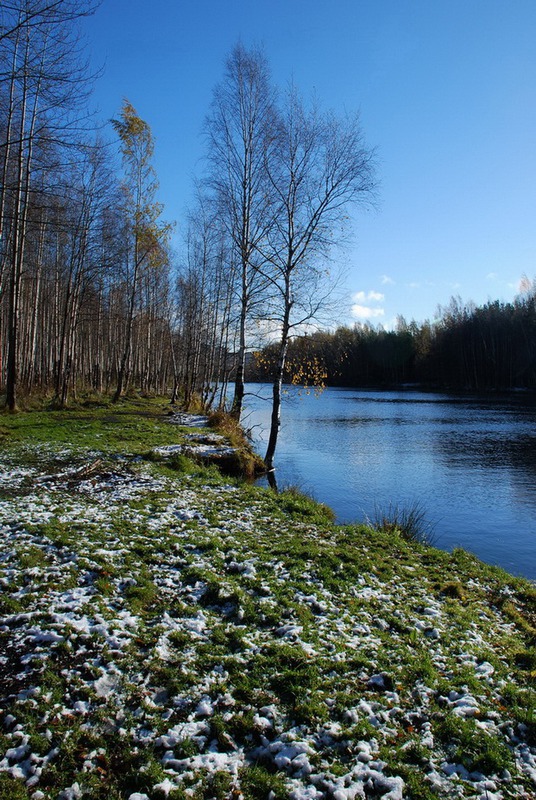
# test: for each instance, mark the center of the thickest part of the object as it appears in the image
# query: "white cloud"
(366, 312)
(387, 279)
(363, 305)
(362, 297)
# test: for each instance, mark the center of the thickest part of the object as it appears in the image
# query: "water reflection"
(471, 463)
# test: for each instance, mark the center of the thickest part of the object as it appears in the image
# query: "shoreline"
(465, 462)
(219, 640)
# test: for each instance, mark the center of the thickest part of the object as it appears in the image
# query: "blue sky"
(447, 94)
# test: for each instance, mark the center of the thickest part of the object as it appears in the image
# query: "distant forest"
(468, 348)
(94, 299)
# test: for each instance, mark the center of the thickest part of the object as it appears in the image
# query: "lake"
(469, 462)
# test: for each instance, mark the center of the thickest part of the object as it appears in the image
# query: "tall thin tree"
(319, 167)
(147, 234)
(239, 130)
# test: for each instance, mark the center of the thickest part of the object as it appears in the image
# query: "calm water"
(469, 462)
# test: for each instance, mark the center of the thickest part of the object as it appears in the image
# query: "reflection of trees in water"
(471, 462)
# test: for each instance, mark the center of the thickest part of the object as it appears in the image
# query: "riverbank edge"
(302, 532)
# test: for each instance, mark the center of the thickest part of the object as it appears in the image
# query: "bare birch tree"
(44, 86)
(147, 235)
(239, 130)
(318, 168)
(82, 210)
(205, 287)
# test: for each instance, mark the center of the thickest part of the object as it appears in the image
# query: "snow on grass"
(176, 636)
(188, 420)
(202, 450)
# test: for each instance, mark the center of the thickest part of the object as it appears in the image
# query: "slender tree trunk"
(124, 366)
(28, 120)
(239, 390)
(19, 230)
(275, 422)
(35, 315)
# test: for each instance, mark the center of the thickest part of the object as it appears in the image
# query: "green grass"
(258, 783)
(204, 625)
(132, 426)
(408, 522)
(295, 502)
(476, 749)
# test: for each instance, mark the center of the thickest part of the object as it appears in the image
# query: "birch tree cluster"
(283, 175)
(91, 295)
(85, 270)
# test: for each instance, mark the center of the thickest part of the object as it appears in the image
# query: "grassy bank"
(169, 632)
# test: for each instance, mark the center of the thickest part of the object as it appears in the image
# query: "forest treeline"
(467, 348)
(84, 262)
(91, 295)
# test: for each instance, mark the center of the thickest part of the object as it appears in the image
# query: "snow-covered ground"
(170, 638)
